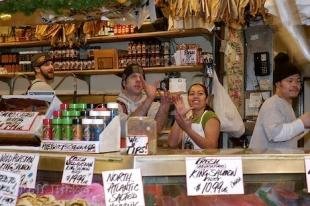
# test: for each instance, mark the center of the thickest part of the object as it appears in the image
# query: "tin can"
(77, 129)
(57, 129)
(97, 128)
(67, 129)
(47, 131)
(86, 126)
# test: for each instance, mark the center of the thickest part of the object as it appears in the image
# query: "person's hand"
(165, 99)
(183, 121)
(181, 113)
(305, 118)
(150, 89)
(179, 105)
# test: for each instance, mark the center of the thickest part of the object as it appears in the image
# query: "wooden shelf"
(25, 44)
(190, 68)
(159, 34)
(119, 38)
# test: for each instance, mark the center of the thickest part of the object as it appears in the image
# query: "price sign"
(9, 185)
(18, 121)
(24, 164)
(307, 167)
(78, 170)
(123, 187)
(214, 175)
(137, 145)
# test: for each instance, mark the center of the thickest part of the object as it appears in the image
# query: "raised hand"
(150, 89)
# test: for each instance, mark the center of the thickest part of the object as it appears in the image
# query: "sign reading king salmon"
(18, 121)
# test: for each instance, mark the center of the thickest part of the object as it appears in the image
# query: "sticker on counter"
(307, 167)
(137, 145)
(123, 187)
(9, 186)
(78, 170)
(24, 164)
(70, 146)
(214, 176)
(17, 121)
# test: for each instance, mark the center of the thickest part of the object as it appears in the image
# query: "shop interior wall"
(106, 84)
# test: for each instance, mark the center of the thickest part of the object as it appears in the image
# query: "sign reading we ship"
(214, 175)
(24, 164)
(18, 121)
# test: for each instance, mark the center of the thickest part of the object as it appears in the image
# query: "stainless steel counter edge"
(172, 163)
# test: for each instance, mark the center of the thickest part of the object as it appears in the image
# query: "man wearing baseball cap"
(137, 98)
(44, 72)
(277, 126)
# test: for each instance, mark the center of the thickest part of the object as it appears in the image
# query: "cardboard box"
(106, 59)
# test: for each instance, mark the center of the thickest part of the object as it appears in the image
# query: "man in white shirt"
(44, 72)
(133, 102)
(276, 126)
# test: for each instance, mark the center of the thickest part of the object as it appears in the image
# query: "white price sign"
(214, 175)
(9, 185)
(78, 170)
(24, 164)
(123, 187)
(137, 145)
(307, 167)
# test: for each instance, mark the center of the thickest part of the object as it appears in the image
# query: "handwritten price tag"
(18, 121)
(137, 145)
(9, 185)
(214, 175)
(78, 170)
(24, 164)
(307, 167)
(123, 187)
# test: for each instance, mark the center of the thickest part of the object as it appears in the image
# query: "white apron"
(187, 142)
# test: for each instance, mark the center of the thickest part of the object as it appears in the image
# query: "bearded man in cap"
(134, 102)
(44, 72)
(277, 126)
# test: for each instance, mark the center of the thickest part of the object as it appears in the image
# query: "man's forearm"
(161, 117)
(143, 109)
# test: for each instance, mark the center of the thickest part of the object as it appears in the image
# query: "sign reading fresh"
(214, 175)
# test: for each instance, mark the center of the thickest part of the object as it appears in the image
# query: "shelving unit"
(85, 74)
(119, 38)
(195, 68)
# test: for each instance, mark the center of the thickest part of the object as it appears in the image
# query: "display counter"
(164, 173)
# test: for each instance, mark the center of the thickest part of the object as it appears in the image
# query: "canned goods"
(67, 129)
(47, 131)
(78, 107)
(113, 107)
(71, 114)
(57, 129)
(98, 127)
(86, 126)
(77, 129)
